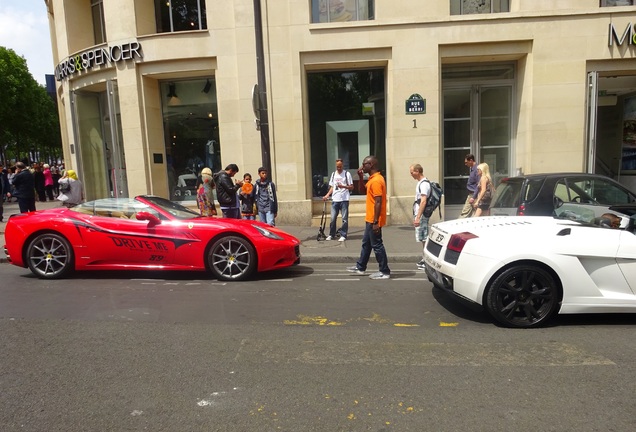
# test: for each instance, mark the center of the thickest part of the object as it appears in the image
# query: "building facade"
(152, 91)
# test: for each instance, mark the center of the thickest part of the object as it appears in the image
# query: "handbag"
(487, 196)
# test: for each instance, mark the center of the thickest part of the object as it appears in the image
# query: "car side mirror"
(145, 216)
(558, 202)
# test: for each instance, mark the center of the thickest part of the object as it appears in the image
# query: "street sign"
(415, 104)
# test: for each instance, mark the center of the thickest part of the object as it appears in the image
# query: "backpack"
(433, 200)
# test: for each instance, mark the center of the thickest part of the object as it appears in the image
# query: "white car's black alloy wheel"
(523, 296)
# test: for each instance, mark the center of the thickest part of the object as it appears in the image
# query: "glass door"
(590, 120)
(97, 125)
(495, 123)
(477, 120)
(115, 154)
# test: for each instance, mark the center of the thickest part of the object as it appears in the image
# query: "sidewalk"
(399, 242)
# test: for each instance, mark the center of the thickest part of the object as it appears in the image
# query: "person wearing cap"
(205, 195)
(264, 193)
(226, 191)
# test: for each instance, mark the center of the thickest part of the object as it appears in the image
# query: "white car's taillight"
(458, 241)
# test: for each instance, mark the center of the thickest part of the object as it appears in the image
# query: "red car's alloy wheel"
(232, 258)
(50, 256)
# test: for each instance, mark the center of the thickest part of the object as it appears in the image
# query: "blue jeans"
(267, 217)
(231, 213)
(343, 208)
(371, 240)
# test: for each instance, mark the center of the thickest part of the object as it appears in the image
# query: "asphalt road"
(306, 349)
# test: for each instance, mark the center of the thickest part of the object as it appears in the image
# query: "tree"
(29, 122)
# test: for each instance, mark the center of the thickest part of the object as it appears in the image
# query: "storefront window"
(467, 7)
(341, 10)
(346, 120)
(191, 131)
(180, 15)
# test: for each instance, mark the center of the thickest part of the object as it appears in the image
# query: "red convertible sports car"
(144, 233)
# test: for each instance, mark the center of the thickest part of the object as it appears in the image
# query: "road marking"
(312, 320)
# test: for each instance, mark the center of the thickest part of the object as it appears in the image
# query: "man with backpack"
(340, 187)
(420, 221)
(264, 193)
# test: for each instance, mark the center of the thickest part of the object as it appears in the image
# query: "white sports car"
(524, 270)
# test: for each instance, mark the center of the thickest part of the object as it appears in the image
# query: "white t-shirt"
(423, 188)
(344, 178)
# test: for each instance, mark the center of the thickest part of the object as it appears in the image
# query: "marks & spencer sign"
(97, 57)
(628, 36)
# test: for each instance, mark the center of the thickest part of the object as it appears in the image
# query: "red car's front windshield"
(176, 210)
(128, 207)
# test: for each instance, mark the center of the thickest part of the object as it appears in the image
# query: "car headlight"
(267, 233)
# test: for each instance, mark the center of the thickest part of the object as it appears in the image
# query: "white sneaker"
(379, 275)
(328, 238)
(342, 239)
(355, 270)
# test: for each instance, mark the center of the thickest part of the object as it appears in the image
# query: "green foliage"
(29, 123)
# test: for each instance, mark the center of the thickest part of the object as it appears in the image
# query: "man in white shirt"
(420, 222)
(340, 187)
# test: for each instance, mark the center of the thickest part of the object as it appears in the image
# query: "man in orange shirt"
(375, 219)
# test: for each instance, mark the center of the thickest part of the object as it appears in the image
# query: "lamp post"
(262, 87)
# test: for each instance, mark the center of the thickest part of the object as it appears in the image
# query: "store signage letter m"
(628, 33)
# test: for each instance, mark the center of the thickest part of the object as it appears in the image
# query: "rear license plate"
(434, 274)
(436, 236)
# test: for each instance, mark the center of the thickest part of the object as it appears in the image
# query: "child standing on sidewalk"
(246, 197)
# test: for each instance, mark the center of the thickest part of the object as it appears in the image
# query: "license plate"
(434, 274)
(436, 237)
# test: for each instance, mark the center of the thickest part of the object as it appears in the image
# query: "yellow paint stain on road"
(405, 325)
(445, 324)
(312, 320)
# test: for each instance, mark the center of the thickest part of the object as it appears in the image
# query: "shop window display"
(191, 131)
(347, 121)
